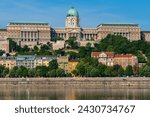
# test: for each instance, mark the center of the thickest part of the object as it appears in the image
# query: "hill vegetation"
(87, 67)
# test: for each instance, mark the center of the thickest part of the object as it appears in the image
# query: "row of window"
(26, 28)
(110, 29)
(28, 39)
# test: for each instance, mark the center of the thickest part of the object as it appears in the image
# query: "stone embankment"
(79, 82)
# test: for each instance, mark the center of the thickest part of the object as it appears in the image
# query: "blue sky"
(92, 12)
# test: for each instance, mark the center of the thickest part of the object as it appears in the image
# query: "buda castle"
(38, 33)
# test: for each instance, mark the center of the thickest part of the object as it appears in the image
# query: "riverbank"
(139, 83)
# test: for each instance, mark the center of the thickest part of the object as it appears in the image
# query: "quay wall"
(139, 83)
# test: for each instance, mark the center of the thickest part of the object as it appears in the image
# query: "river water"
(47, 93)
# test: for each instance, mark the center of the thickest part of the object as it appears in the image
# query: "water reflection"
(47, 93)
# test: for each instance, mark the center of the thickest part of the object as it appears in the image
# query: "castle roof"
(27, 23)
(2, 29)
(118, 24)
(72, 12)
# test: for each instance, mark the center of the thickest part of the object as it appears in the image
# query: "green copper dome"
(72, 12)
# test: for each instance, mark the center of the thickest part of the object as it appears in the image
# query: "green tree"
(121, 71)
(45, 50)
(85, 51)
(32, 72)
(25, 49)
(13, 47)
(2, 52)
(57, 38)
(101, 69)
(42, 71)
(81, 71)
(118, 44)
(35, 49)
(118, 70)
(72, 55)
(60, 73)
(53, 65)
(59, 52)
(13, 72)
(52, 73)
(3, 71)
(141, 58)
(94, 72)
(108, 71)
(145, 71)
(88, 67)
(72, 42)
(129, 70)
(75, 73)
(22, 71)
(45, 47)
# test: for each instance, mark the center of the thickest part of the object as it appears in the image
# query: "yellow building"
(8, 62)
(65, 64)
(72, 66)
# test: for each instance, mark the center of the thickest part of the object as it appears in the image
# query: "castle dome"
(72, 12)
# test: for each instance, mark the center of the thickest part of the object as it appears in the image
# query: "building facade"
(26, 61)
(131, 31)
(63, 63)
(125, 59)
(106, 58)
(72, 64)
(8, 61)
(26, 33)
(111, 59)
(67, 65)
(41, 60)
(145, 35)
(4, 45)
(38, 33)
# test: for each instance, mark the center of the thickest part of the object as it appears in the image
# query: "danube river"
(47, 93)
(75, 89)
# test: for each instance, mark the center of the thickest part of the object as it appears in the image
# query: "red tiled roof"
(95, 54)
(110, 54)
(124, 55)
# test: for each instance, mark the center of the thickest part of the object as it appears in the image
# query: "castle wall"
(3, 34)
(29, 33)
(145, 35)
(130, 31)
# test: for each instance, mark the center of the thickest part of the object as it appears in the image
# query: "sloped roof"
(110, 54)
(124, 55)
(118, 24)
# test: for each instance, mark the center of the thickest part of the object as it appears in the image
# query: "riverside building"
(8, 61)
(38, 33)
(111, 59)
